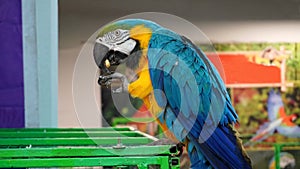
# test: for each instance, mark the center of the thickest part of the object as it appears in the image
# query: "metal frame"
(277, 149)
(49, 147)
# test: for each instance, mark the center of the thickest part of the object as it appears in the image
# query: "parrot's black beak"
(105, 58)
(100, 52)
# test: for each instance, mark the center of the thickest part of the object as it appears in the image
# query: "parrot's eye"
(117, 32)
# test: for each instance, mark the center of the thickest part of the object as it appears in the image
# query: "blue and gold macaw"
(180, 87)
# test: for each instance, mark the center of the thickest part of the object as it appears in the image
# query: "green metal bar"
(122, 120)
(65, 129)
(96, 141)
(85, 151)
(175, 163)
(277, 149)
(142, 166)
(120, 153)
(66, 134)
(277, 155)
(164, 163)
(86, 162)
(289, 144)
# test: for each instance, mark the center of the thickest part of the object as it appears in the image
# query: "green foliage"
(293, 65)
(252, 111)
(254, 46)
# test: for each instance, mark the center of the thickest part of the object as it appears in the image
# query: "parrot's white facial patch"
(118, 40)
(115, 37)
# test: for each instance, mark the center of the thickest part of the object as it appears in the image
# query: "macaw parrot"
(178, 84)
(278, 120)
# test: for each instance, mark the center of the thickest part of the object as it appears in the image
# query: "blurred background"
(234, 23)
(46, 62)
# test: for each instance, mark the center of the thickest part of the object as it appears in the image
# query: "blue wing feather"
(196, 97)
(274, 102)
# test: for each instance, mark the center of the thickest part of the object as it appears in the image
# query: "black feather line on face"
(133, 59)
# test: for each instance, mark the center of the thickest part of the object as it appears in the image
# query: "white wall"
(252, 31)
(67, 116)
(79, 94)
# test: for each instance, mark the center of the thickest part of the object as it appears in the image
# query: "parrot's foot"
(179, 149)
(117, 81)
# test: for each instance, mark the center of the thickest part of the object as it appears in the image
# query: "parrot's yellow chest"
(142, 88)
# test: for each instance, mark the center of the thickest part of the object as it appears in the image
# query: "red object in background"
(148, 127)
(238, 70)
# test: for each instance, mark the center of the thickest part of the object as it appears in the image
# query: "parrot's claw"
(104, 80)
(117, 81)
(178, 149)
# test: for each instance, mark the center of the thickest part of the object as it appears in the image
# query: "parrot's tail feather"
(198, 161)
(223, 149)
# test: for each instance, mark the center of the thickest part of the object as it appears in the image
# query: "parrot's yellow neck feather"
(142, 87)
(142, 34)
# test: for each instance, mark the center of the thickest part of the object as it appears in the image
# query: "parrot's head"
(293, 117)
(122, 41)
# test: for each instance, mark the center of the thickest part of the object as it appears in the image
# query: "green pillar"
(277, 149)
(40, 52)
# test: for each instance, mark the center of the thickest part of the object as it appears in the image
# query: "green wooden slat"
(73, 141)
(64, 129)
(84, 151)
(66, 134)
(123, 120)
(85, 162)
